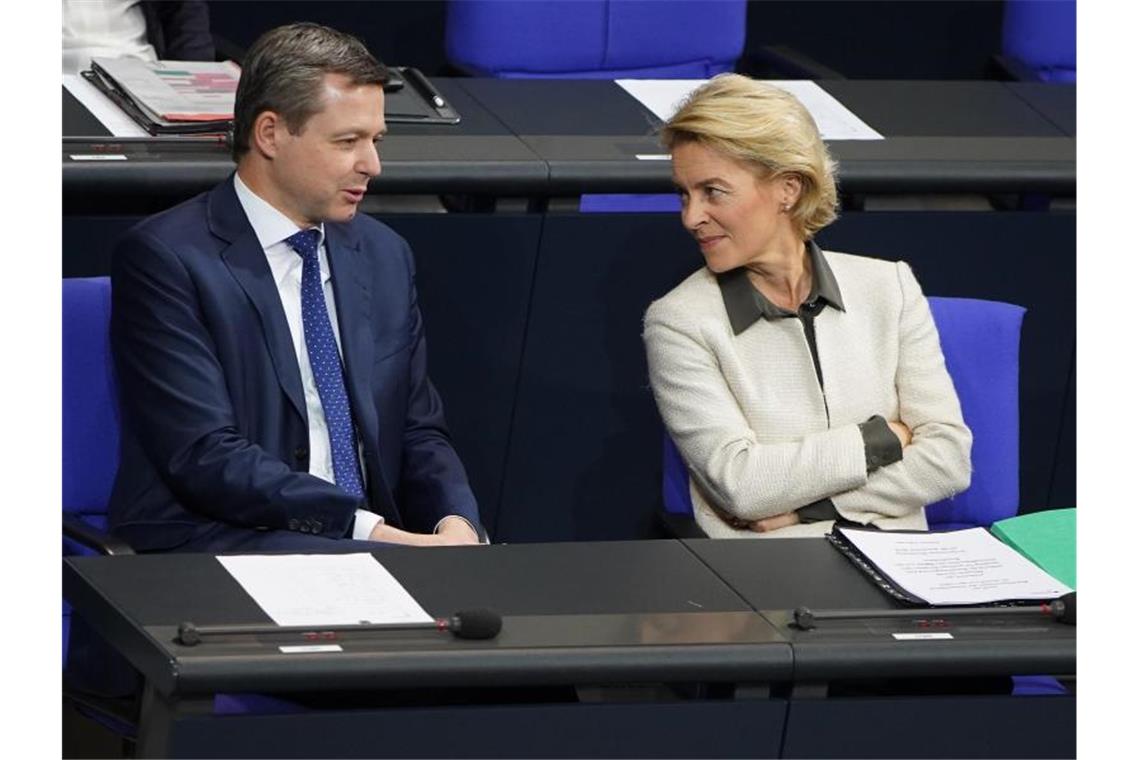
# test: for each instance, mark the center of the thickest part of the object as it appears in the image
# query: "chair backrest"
(981, 342)
(595, 39)
(90, 401)
(90, 411)
(1043, 37)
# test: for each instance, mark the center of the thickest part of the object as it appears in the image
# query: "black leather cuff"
(880, 445)
(818, 511)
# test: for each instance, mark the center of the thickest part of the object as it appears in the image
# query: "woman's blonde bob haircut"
(769, 131)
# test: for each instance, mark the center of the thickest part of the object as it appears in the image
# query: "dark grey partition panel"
(585, 443)
(932, 727)
(721, 729)
(88, 242)
(584, 459)
(473, 274)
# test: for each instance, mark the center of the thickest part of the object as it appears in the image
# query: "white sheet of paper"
(324, 589)
(834, 120)
(102, 107)
(957, 567)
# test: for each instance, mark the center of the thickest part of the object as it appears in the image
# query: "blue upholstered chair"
(90, 405)
(594, 39)
(1039, 40)
(90, 459)
(980, 340)
(90, 422)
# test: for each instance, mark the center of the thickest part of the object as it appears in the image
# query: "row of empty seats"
(686, 39)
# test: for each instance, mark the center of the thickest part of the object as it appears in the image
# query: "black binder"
(419, 103)
(888, 585)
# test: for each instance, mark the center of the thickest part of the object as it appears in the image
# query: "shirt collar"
(269, 224)
(745, 304)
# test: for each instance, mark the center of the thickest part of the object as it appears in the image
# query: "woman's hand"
(902, 431)
(775, 522)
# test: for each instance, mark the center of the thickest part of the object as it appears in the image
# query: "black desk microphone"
(1063, 609)
(465, 624)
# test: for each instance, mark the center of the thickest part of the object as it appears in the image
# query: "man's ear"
(268, 129)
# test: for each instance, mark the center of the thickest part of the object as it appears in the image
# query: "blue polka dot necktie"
(325, 362)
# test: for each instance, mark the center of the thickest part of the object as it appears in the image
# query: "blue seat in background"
(630, 203)
(981, 342)
(595, 39)
(1039, 40)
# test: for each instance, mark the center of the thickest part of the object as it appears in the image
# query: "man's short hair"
(284, 70)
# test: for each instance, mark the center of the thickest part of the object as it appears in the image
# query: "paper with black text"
(324, 589)
(957, 567)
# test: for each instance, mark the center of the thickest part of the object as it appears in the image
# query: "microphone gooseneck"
(465, 624)
(1063, 610)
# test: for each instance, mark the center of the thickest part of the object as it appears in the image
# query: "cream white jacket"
(747, 413)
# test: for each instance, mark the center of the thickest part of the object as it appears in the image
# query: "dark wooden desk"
(542, 138)
(941, 137)
(478, 155)
(677, 619)
(882, 694)
(593, 616)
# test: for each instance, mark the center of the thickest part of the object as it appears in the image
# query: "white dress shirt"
(272, 229)
(104, 29)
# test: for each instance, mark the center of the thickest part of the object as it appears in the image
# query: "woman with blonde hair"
(801, 386)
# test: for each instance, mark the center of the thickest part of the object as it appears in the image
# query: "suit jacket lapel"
(246, 261)
(354, 318)
(351, 278)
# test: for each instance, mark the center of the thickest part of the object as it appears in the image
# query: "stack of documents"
(170, 97)
(960, 567)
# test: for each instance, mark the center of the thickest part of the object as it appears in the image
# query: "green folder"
(1047, 538)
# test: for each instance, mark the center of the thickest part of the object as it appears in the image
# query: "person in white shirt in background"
(144, 29)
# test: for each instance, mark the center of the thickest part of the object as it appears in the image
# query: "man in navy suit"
(267, 338)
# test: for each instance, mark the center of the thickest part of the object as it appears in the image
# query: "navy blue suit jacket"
(214, 422)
